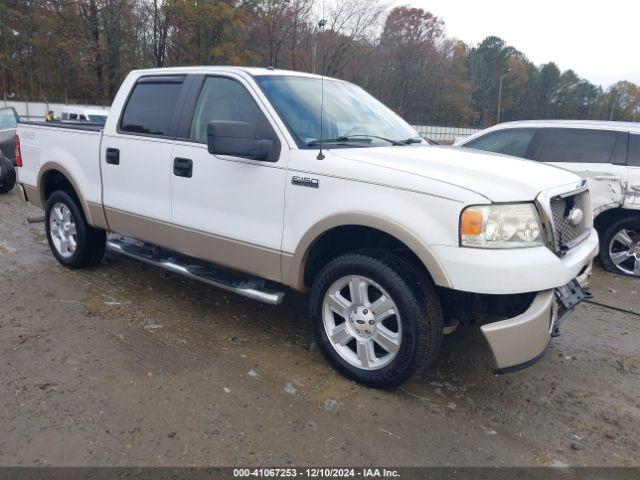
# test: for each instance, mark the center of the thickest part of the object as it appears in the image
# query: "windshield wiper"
(348, 139)
(412, 140)
(354, 138)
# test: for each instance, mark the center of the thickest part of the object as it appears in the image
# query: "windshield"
(101, 119)
(349, 114)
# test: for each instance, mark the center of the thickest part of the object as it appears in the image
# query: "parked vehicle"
(85, 114)
(606, 153)
(8, 124)
(226, 175)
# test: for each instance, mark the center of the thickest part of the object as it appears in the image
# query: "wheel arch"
(611, 215)
(299, 268)
(52, 177)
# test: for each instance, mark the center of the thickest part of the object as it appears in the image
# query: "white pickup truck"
(226, 175)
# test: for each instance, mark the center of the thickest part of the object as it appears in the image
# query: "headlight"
(501, 226)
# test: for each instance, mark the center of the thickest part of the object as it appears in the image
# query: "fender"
(92, 211)
(293, 265)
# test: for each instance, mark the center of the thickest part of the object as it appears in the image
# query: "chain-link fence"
(444, 135)
(38, 110)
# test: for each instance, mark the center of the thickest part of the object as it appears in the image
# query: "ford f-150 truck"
(257, 179)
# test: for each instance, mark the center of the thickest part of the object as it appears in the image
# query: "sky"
(598, 40)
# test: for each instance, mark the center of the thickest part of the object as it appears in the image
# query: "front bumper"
(510, 271)
(522, 340)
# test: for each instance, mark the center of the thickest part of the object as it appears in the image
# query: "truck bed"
(70, 148)
(91, 127)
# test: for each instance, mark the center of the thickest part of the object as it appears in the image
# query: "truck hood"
(499, 178)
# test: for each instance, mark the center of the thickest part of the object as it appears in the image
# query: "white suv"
(606, 153)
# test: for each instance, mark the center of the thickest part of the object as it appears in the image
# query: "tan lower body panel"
(93, 211)
(33, 196)
(258, 261)
(95, 215)
(522, 339)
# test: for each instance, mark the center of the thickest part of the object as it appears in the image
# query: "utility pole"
(500, 98)
(500, 94)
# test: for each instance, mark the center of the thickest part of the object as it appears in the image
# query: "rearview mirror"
(237, 139)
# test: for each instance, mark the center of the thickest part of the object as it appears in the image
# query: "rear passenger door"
(632, 198)
(136, 160)
(598, 155)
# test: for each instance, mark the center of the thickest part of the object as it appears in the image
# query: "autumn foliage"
(80, 50)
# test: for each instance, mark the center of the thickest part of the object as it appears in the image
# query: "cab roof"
(252, 71)
(596, 124)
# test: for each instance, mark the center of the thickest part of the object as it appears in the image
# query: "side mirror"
(237, 139)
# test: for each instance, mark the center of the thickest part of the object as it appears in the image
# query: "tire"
(7, 175)
(622, 237)
(416, 324)
(62, 213)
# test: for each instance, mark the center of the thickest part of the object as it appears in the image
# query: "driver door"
(229, 210)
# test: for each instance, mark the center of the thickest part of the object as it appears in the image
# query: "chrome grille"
(566, 231)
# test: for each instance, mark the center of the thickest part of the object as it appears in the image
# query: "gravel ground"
(125, 364)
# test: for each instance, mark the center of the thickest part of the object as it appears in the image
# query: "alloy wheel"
(63, 230)
(624, 251)
(362, 322)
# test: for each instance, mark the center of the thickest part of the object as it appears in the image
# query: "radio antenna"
(321, 25)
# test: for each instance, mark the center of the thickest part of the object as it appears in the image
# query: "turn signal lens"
(17, 151)
(471, 222)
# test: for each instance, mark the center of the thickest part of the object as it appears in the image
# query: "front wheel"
(74, 242)
(620, 247)
(374, 320)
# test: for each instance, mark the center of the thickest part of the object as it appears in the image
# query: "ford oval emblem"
(575, 216)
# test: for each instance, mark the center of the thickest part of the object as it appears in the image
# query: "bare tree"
(351, 24)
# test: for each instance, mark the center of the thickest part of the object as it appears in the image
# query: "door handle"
(182, 167)
(113, 156)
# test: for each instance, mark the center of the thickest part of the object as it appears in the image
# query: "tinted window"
(634, 150)
(575, 145)
(223, 99)
(514, 141)
(150, 108)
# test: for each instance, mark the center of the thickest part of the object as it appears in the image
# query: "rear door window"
(150, 107)
(512, 141)
(575, 145)
(633, 158)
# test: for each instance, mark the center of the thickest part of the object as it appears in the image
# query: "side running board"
(247, 286)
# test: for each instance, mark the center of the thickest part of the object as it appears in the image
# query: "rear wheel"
(72, 240)
(620, 247)
(7, 175)
(374, 320)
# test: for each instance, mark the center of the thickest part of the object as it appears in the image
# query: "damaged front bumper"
(521, 341)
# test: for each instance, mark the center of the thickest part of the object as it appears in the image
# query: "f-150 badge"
(305, 181)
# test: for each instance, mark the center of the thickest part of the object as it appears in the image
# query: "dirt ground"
(125, 364)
